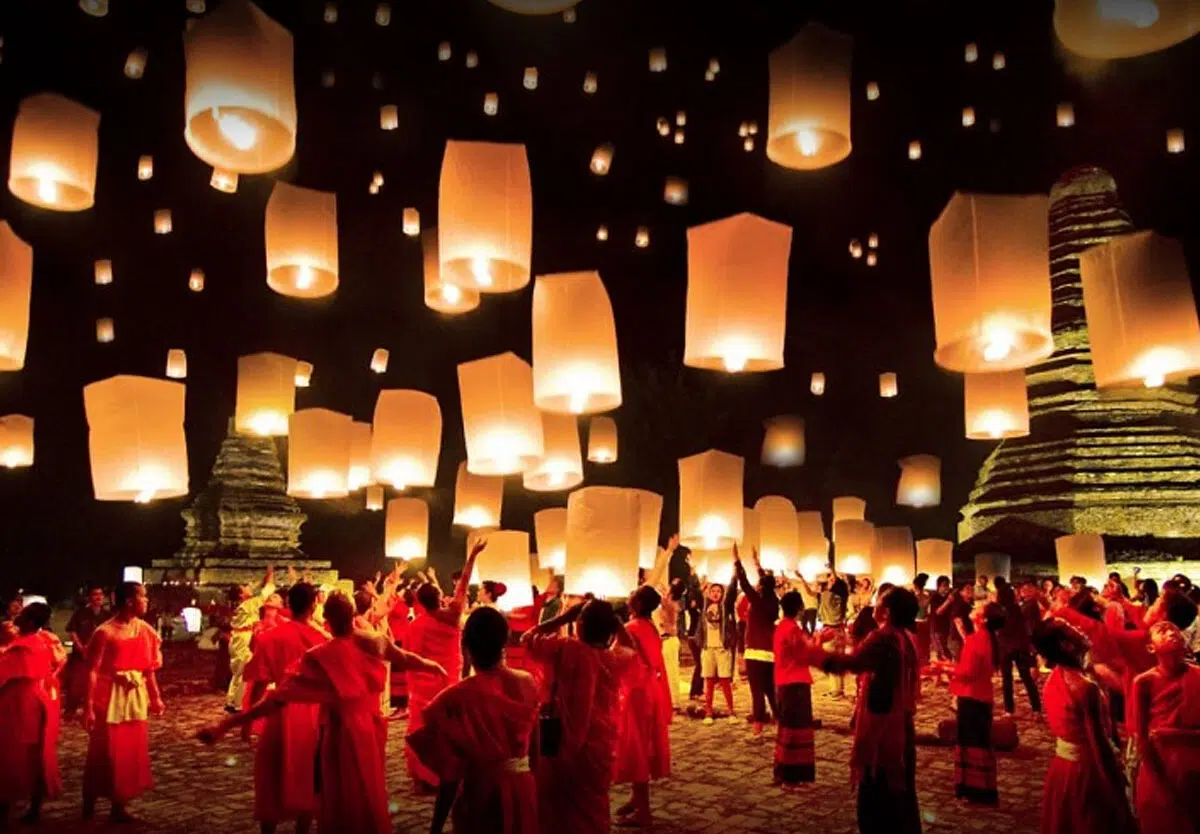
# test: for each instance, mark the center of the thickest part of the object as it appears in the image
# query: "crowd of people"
(525, 721)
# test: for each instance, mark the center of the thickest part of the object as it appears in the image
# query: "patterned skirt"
(795, 760)
(975, 763)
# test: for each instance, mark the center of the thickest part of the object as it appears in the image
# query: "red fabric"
(118, 756)
(1169, 803)
(644, 745)
(433, 640)
(973, 673)
(791, 651)
(30, 708)
(397, 620)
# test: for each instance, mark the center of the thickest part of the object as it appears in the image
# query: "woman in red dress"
(975, 761)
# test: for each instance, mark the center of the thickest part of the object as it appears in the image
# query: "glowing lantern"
(872, 90)
(663, 127)
(971, 53)
(318, 453)
(162, 222)
(575, 364)
(716, 565)
(374, 499)
(998, 61)
(809, 116)
(1175, 140)
(889, 386)
(710, 500)
(641, 238)
(224, 181)
(193, 619)
(914, 149)
(445, 298)
(477, 499)
(133, 573)
(561, 464)
(196, 280)
(989, 259)
(920, 481)
(680, 118)
(783, 441)
(679, 137)
(266, 394)
(550, 530)
(650, 506)
(590, 83)
(145, 168)
(602, 440)
(55, 145)
(873, 241)
(872, 258)
(751, 534)
(379, 361)
(996, 405)
(968, 117)
(472, 59)
(817, 384)
(105, 331)
(304, 372)
(485, 214)
(411, 222)
(135, 438)
(16, 282)
(406, 533)
(935, 557)
(389, 117)
(506, 560)
(779, 534)
(675, 191)
(604, 528)
(135, 64)
(714, 66)
(95, 8)
(383, 14)
(444, 51)
(406, 438)
(491, 104)
(752, 128)
(737, 294)
(992, 565)
(530, 79)
(568, 16)
(893, 556)
(1065, 114)
(301, 234)
(601, 160)
(328, 78)
(744, 129)
(1083, 555)
(848, 508)
(377, 179)
(240, 104)
(812, 545)
(658, 59)
(502, 426)
(854, 546)
(16, 441)
(359, 473)
(1141, 313)
(1123, 28)
(330, 14)
(602, 233)
(856, 249)
(103, 273)
(176, 364)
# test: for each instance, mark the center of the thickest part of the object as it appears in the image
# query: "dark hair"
(301, 598)
(1006, 596)
(921, 580)
(884, 588)
(125, 592)
(597, 622)
(1180, 609)
(1077, 580)
(647, 600)
(1083, 602)
(484, 637)
(864, 623)
(677, 588)
(902, 607)
(363, 602)
(791, 604)
(429, 596)
(35, 614)
(1049, 638)
(1149, 591)
(941, 579)
(994, 616)
(339, 614)
(93, 586)
(495, 589)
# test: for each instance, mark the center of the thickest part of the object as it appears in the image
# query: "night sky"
(844, 318)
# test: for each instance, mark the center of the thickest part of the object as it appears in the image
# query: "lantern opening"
(358, 477)
(482, 271)
(146, 482)
(713, 530)
(475, 517)
(240, 132)
(47, 186)
(268, 423)
(807, 141)
(451, 294)
(1142, 14)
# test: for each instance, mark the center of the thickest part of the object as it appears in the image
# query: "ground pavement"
(721, 782)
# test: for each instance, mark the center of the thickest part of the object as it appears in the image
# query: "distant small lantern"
(744, 129)
(176, 364)
(872, 90)
(406, 438)
(813, 546)
(506, 560)
(752, 127)
(920, 481)
(550, 530)
(872, 258)
(935, 557)
(873, 241)
(444, 52)
(136, 443)
(576, 369)
(266, 394)
(478, 499)
(854, 546)
(105, 331)
(748, 144)
(407, 529)
(783, 441)
(383, 14)
(377, 179)
(162, 222)
(641, 238)
(374, 498)
(1175, 140)
(225, 181)
(590, 83)
(379, 360)
(675, 191)
(914, 149)
(373, 189)
(968, 117)
(440, 296)
(847, 507)
(389, 117)
(971, 53)
(132, 573)
(778, 534)
(817, 384)
(301, 241)
(856, 248)
(680, 137)
(502, 425)
(658, 59)
(709, 75)
(95, 8)
(54, 151)
(602, 233)
(996, 405)
(196, 280)
(601, 159)
(1065, 114)
(889, 385)
(569, 15)
(894, 559)
(1082, 554)
(16, 441)
(710, 500)
(472, 59)
(602, 440)
(318, 453)
(809, 111)
(561, 464)
(663, 126)
(998, 61)
(145, 167)
(604, 531)
(103, 272)
(530, 79)
(491, 104)
(714, 66)
(359, 473)
(303, 376)
(681, 118)
(135, 64)
(331, 13)
(328, 79)
(411, 222)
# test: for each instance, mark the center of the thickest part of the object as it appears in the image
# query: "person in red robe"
(80, 629)
(476, 738)
(397, 621)
(29, 704)
(123, 656)
(975, 761)
(795, 751)
(345, 676)
(1166, 727)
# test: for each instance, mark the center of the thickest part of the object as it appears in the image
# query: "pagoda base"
(218, 573)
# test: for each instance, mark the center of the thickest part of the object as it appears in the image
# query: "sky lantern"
(103, 272)
(641, 238)
(319, 453)
(778, 534)
(389, 117)
(889, 385)
(16, 441)
(303, 375)
(550, 531)
(590, 83)
(440, 296)
(854, 546)
(302, 241)
(471, 60)
(872, 90)
(136, 442)
(1176, 143)
(379, 360)
(145, 167)
(999, 62)
(266, 394)
(491, 104)
(715, 565)
(445, 51)
(658, 59)
(374, 498)
(751, 534)
(55, 147)
(604, 527)
(135, 64)
(602, 233)
(710, 500)
(1123, 28)
(406, 438)
(506, 560)
(106, 330)
(817, 384)
(575, 364)
(996, 406)
(737, 294)
(602, 440)
(1141, 314)
(561, 464)
(894, 559)
(808, 121)
(914, 150)
(477, 499)
(502, 425)
(1082, 554)
(485, 216)
(650, 505)
(530, 79)
(383, 14)
(176, 364)
(920, 481)
(224, 180)
(935, 557)
(1064, 115)
(971, 52)
(992, 565)
(16, 284)
(410, 222)
(196, 280)
(675, 191)
(849, 507)
(783, 441)
(601, 159)
(240, 103)
(968, 117)
(359, 474)
(163, 224)
(989, 258)
(811, 544)
(406, 529)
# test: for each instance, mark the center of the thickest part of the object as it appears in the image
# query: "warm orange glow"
(920, 481)
(602, 440)
(440, 296)
(55, 147)
(854, 546)
(550, 530)
(1083, 555)
(176, 364)
(406, 438)
(812, 545)
(145, 168)
(379, 360)
(650, 506)
(778, 534)
(163, 224)
(530, 79)
(389, 117)
(675, 191)
(224, 180)
(105, 331)
(502, 425)
(103, 273)
(266, 394)
(575, 365)
(304, 372)
(889, 386)
(817, 384)
(710, 500)
(506, 560)
(996, 405)
(16, 441)
(808, 124)
(1123, 28)
(658, 59)
(561, 464)
(411, 222)
(848, 507)
(302, 241)
(406, 533)
(1176, 142)
(893, 558)
(359, 474)
(135, 64)
(603, 541)
(935, 557)
(783, 441)
(319, 453)
(590, 83)
(477, 499)
(374, 498)
(1065, 114)
(136, 442)
(16, 283)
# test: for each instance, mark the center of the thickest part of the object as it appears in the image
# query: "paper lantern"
(914, 149)
(16, 283)
(491, 104)
(266, 394)
(383, 14)
(359, 473)
(301, 235)
(105, 331)
(506, 560)
(809, 114)
(998, 61)
(389, 117)
(96, 8)
(1175, 140)
(576, 369)
(602, 440)
(968, 117)
(319, 453)
(641, 238)
(1082, 554)
(817, 384)
(472, 59)
(379, 360)
(848, 508)
(601, 159)
(16, 441)
(330, 14)
(530, 80)
(550, 530)
(663, 127)
(935, 557)
(145, 168)
(103, 273)
(650, 505)
(240, 103)
(477, 499)
(561, 464)
(873, 241)
(992, 565)
(136, 442)
(406, 438)
(710, 500)
(135, 64)
(1064, 115)
(411, 222)
(658, 59)
(133, 573)
(996, 406)
(714, 66)
(440, 296)
(485, 216)
(304, 372)
(783, 441)
(872, 90)
(811, 544)
(856, 249)
(224, 181)
(374, 498)
(920, 481)
(377, 180)
(444, 52)
(893, 558)
(328, 78)
(889, 386)
(681, 118)
(176, 364)
(971, 53)
(989, 258)
(737, 294)
(55, 146)
(854, 546)
(1141, 314)
(872, 258)
(590, 83)
(502, 426)
(406, 533)
(602, 233)
(751, 534)
(604, 528)
(1123, 28)
(162, 222)
(779, 534)
(679, 137)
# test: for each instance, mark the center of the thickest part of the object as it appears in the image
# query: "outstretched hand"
(478, 547)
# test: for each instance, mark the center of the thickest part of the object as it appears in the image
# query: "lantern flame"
(47, 189)
(321, 483)
(268, 423)
(13, 458)
(475, 517)
(807, 141)
(451, 294)
(148, 480)
(712, 529)
(239, 132)
(998, 343)
(482, 270)
(1155, 365)
(304, 277)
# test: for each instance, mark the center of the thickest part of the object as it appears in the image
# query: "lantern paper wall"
(778, 533)
(477, 499)
(914, 149)
(737, 294)
(817, 384)
(302, 241)
(145, 168)
(603, 541)
(440, 296)
(576, 369)
(935, 557)
(872, 258)
(889, 386)
(751, 535)
(811, 544)
(374, 498)
(783, 441)
(602, 440)
(506, 559)
(319, 453)
(411, 222)
(16, 283)
(996, 405)
(808, 122)
(658, 59)
(650, 505)
(103, 273)
(176, 364)
(1176, 143)
(105, 331)
(714, 565)
(550, 530)
(894, 556)
(1082, 554)
(16, 441)
(240, 103)
(266, 394)
(663, 127)
(389, 117)
(224, 180)
(136, 442)
(379, 360)
(1141, 313)
(485, 216)
(854, 546)
(55, 146)
(359, 474)
(989, 258)
(407, 529)
(710, 500)
(920, 481)
(1123, 28)
(992, 565)
(135, 64)
(998, 61)
(561, 464)
(163, 225)
(502, 425)
(406, 438)
(303, 375)
(856, 248)
(847, 508)
(1065, 114)
(601, 159)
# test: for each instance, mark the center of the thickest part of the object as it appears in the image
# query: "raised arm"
(871, 656)
(659, 575)
(552, 625)
(739, 572)
(268, 585)
(464, 581)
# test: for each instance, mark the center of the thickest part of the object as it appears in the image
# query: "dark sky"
(844, 318)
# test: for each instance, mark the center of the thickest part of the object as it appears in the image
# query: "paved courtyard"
(721, 781)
